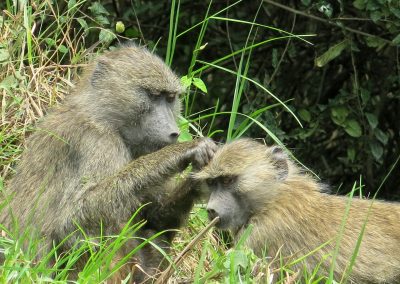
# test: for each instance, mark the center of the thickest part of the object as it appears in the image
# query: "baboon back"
(106, 151)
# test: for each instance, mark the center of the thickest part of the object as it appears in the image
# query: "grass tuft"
(39, 62)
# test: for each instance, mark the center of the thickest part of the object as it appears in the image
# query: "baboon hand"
(202, 154)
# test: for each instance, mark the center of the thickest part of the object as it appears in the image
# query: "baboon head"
(242, 178)
(135, 92)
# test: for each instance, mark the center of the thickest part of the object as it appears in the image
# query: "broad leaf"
(353, 128)
(331, 53)
(200, 84)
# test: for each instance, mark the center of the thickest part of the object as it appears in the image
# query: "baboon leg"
(175, 208)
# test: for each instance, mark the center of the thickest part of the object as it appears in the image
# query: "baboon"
(292, 214)
(109, 149)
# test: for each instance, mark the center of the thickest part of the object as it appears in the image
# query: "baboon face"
(157, 126)
(139, 95)
(227, 203)
(242, 177)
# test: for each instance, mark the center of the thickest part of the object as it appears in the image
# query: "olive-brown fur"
(293, 216)
(105, 152)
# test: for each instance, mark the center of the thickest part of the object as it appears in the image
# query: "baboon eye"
(211, 181)
(153, 94)
(170, 98)
(228, 180)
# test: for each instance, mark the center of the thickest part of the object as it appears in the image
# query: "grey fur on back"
(105, 152)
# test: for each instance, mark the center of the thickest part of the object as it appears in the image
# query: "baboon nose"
(174, 135)
(211, 213)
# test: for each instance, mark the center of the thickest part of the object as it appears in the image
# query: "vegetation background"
(331, 95)
(344, 87)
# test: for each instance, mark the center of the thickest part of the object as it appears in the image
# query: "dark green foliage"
(344, 89)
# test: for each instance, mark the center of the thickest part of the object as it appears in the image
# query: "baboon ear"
(99, 72)
(279, 159)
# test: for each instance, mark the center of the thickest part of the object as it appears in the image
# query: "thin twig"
(283, 53)
(229, 38)
(326, 21)
(168, 272)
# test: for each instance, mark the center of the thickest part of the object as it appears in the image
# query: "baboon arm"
(121, 193)
(151, 169)
(176, 206)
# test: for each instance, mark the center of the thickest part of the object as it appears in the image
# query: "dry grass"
(210, 257)
(35, 72)
(30, 84)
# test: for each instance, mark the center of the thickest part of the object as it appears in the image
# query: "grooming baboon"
(254, 184)
(109, 149)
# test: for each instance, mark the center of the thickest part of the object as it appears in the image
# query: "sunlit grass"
(38, 73)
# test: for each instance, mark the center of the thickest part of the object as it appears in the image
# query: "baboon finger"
(206, 157)
(203, 157)
(211, 151)
(203, 153)
(211, 148)
(200, 159)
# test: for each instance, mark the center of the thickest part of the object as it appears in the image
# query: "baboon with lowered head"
(251, 183)
(106, 151)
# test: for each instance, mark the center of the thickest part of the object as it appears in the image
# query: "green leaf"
(353, 128)
(83, 24)
(305, 115)
(185, 136)
(372, 120)
(98, 9)
(106, 36)
(395, 11)
(306, 2)
(327, 9)
(331, 53)
(200, 84)
(18, 76)
(238, 257)
(186, 82)
(376, 16)
(376, 149)
(396, 40)
(365, 96)
(102, 20)
(4, 54)
(374, 42)
(202, 214)
(184, 128)
(132, 32)
(381, 136)
(372, 5)
(351, 154)
(9, 82)
(359, 4)
(63, 49)
(63, 19)
(71, 4)
(50, 41)
(339, 115)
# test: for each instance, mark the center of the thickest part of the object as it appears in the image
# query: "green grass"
(52, 57)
